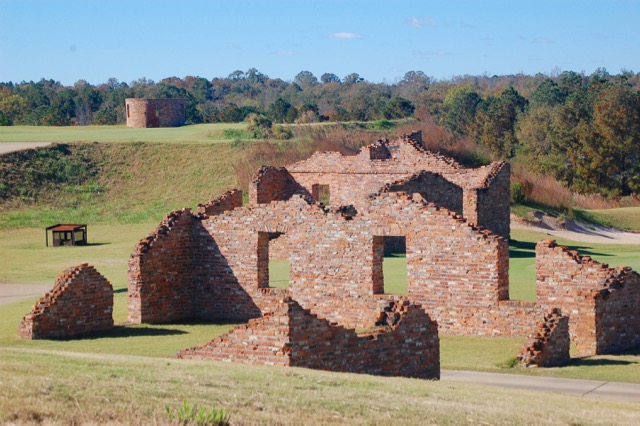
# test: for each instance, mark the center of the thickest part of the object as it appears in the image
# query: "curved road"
(587, 388)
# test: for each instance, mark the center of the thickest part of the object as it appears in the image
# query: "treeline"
(584, 130)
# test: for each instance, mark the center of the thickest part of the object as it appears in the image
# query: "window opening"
(390, 265)
(273, 261)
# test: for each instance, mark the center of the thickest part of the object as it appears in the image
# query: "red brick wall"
(227, 201)
(352, 179)
(292, 336)
(80, 302)
(601, 302)
(178, 273)
(273, 184)
(549, 345)
(155, 112)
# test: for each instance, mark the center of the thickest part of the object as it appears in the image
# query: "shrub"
(517, 193)
(235, 134)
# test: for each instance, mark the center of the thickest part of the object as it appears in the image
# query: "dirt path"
(10, 292)
(17, 146)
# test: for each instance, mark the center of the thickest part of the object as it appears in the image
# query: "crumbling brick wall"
(273, 184)
(433, 188)
(549, 344)
(292, 336)
(80, 302)
(155, 112)
(227, 201)
(601, 302)
(351, 179)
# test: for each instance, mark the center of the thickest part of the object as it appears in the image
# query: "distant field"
(197, 133)
(627, 218)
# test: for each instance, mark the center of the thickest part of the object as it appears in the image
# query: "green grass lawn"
(196, 133)
(627, 218)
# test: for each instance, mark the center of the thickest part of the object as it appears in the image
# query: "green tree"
(547, 93)
(496, 120)
(305, 79)
(328, 77)
(459, 109)
(610, 146)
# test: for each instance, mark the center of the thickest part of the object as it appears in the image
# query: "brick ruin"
(549, 345)
(291, 336)
(331, 216)
(142, 112)
(80, 302)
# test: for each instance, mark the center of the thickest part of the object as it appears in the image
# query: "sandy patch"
(17, 146)
(581, 232)
(13, 292)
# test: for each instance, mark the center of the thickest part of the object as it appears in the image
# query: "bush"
(517, 193)
(384, 125)
(235, 134)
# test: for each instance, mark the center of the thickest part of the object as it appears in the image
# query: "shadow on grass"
(96, 244)
(590, 362)
(130, 331)
(521, 249)
(525, 249)
(121, 290)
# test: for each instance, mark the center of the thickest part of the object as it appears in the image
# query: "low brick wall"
(80, 302)
(549, 345)
(292, 336)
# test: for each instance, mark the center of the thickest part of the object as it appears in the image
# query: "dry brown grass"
(542, 189)
(598, 202)
(69, 388)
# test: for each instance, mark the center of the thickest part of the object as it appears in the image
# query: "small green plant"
(195, 414)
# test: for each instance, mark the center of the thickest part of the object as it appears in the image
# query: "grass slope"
(66, 388)
(133, 183)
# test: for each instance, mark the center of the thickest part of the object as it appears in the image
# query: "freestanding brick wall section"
(80, 302)
(292, 336)
(603, 304)
(549, 345)
(142, 112)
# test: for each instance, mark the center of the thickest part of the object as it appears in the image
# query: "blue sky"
(69, 40)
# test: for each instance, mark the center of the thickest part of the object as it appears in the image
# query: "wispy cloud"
(285, 53)
(345, 35)
(421, 21)
(542, 40)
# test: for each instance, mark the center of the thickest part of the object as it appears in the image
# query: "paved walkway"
(17, 146)
(588, 388)
(14, 292)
